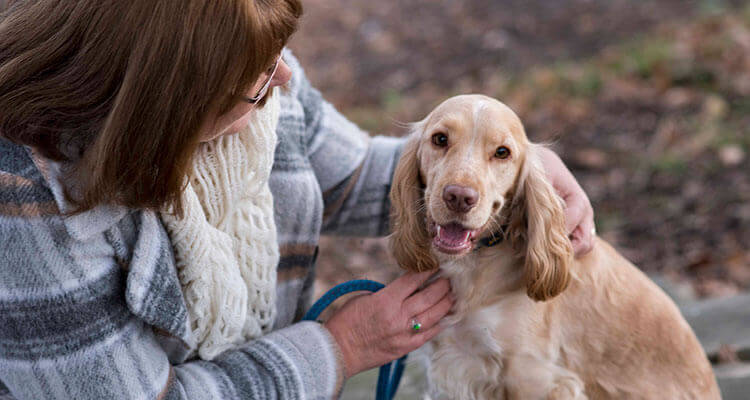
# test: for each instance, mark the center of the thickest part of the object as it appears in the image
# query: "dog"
(530, 322)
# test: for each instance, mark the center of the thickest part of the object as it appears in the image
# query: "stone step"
(734, 380)
(722, 321)
(725, 322)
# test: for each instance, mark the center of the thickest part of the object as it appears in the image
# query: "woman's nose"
(282, 76)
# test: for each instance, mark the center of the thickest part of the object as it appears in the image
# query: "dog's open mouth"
(454, 238)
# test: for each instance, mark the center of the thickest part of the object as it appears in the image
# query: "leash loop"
(390, 374)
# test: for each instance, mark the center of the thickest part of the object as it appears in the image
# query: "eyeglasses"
(264, 90)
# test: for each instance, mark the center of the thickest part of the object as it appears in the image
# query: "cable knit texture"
(225, 244)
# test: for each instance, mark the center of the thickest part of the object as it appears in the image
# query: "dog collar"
(493, 240)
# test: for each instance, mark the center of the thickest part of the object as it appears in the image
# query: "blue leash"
(390, 374)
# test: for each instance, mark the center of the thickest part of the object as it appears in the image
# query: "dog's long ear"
(537, 230)
(410, 242)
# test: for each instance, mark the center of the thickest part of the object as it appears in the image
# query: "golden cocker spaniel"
(530, 321)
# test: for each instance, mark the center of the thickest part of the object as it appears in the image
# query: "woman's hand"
(374, 329)
(579, 216)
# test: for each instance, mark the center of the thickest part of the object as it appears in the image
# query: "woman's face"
(233, 120)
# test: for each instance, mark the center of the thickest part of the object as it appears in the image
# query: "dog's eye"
(440, 139)
(502, 152)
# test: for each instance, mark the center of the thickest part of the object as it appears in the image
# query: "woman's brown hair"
(122, 88)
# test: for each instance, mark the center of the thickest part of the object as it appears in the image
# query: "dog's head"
(467, 170)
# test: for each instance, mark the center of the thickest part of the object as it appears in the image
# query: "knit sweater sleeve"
(291, 363)
(353, 169)
(72, 325)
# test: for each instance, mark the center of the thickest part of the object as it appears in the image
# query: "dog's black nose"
(460, 199)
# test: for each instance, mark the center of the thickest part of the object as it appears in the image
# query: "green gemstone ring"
(415, 326)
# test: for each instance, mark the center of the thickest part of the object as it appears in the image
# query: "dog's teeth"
(468, 233)
(438, 230)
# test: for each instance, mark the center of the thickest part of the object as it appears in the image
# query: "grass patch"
(731, 134)
(712, 7)
(590, 83)
(370, 119)
(643, 58)
(671, 164)
(608, 220)
(580, 80)
(391, 100)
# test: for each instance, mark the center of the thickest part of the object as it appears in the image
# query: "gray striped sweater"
(90, 305)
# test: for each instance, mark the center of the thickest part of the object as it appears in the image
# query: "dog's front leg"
(529, 378)
(453, 375)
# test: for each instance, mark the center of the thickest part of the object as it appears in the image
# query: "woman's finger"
(575, 212)
(427, 297)
(406, 284)
(583, 238)
(434, 314)
(423, 336)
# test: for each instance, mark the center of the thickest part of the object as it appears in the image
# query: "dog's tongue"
(453, 235)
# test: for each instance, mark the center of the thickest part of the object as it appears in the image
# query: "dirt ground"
(646, 101)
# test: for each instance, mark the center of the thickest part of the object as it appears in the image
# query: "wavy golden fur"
(537, 228)
(410, 243)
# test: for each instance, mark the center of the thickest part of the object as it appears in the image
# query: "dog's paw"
(567, 388)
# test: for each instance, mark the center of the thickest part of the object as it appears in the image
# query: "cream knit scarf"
(225, 245)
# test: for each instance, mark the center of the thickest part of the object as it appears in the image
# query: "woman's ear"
(410, 242)
(537, 231)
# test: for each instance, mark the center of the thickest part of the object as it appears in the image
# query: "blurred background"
(647, 102)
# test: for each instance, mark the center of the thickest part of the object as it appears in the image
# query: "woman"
(119, 277)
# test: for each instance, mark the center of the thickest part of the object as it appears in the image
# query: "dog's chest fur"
(483, 328)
